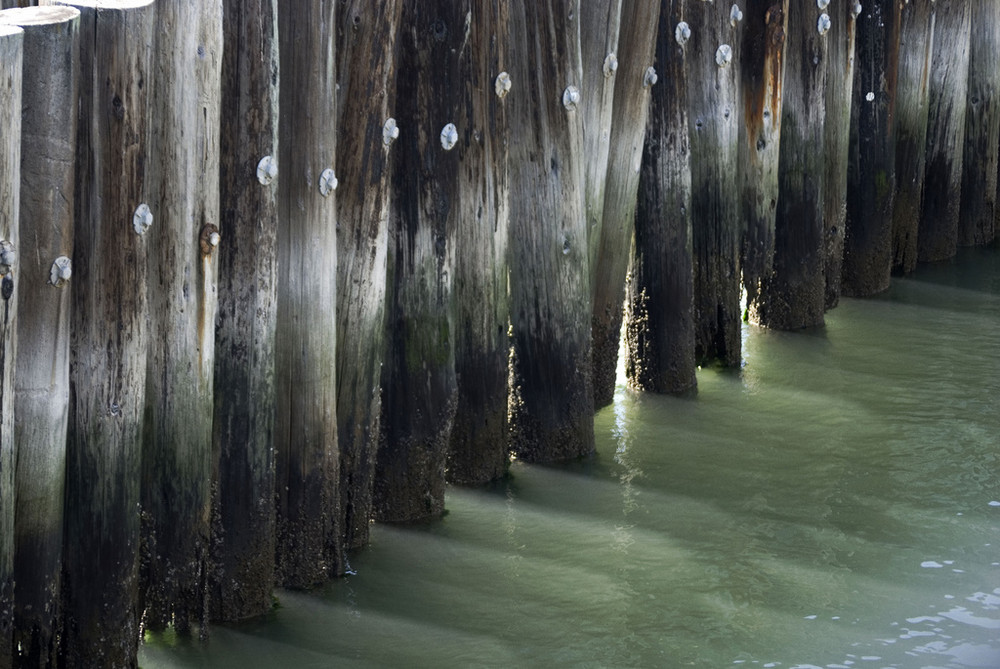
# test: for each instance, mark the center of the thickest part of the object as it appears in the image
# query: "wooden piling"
(761, 66)
(366, 68)
(11, 45)
(979, 213)
(714, 108)
(109, 335)
(308, 547)
(916, 49)
(659, 318)
(479, 435)
(48, 155)
(841, 45)
(793, 295)
(244, 517)
(636, 77)
(867, 265)
(177, 438)
(552, 393)
(949, 77)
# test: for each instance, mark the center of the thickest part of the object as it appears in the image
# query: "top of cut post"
(37, 16)
(9, 31)
(107, 4)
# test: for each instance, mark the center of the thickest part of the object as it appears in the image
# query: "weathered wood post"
(871, 182)
(949, 78)
(41, 402)
(635, 79)
(109, 335)
(11, 44)
(793, 295)
(979, 213)
(479, 435)
(659, 318)
(366, 66)
(916, 48)
(308, 550)
(761, 66)
(184, 186)
(552, 403)
(841, 45)
(244, 517)
(714, 109)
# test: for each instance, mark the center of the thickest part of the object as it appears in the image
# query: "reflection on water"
(836, 503)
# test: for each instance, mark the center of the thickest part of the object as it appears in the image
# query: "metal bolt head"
(735, 15)
(822, 4)
(327, 182)
(8, 256)
(856, 10)
(649, 78)
(449, 136)
(870, 97)
(610, 65)
(724, 55)
(267, 170)
(571, 96)
(682, 33)
(61, 271)
(823, 25)
(209, 239)
(502, 85)
(390, 131)
(142, 219)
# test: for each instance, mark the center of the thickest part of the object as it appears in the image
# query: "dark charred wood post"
(244, 515)
(479, 435)
(793, 295)
(109, 335)
(11, 54)
(41, 402)
(366, 57)
(635, 79)
(420, 390)
(916, 48)
(836, 138)
(977, 223)
(552, 404)
(600, 24)
(307, 458)
(714, 107)
(762, 63)
(177, 437)
(659, 318)
(938, 234)
(867, 265)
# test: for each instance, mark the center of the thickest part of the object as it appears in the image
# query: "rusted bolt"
(449, 136)
(209, 239)
(142, 219)
(8, 256)
(682, 33)
(390, 131)
(724, 55)
(571, 96)
(502, 85)
(61, 271)
(823, 26)
(327, 182)
(650, 77)
(267, 170)
(735, 15)
(610, 65)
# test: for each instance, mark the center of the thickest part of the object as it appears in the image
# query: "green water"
(834, 504)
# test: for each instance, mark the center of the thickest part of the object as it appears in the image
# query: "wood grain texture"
(245, 389)
(109, 336)
(307, 457)
(949, 77)
(552, 395)
(41, 401)
(659, 305)
(639, 23)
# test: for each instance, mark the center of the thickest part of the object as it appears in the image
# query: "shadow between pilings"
(552, 405)
(109, 336)
(41, 400)
(243, 532)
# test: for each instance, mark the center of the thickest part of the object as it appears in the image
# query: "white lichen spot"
(724, 55)
(142, 219)
(870, 97)
(267, 170)
(856, 10)
(327, 182)
(735, 15)
(823, 25)
(650, 77)
(822, 4)
(449, 136)
(682, 33)
(61, 271)
(610, 65)
(502, 85)
(390, 131)
(571, 96)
